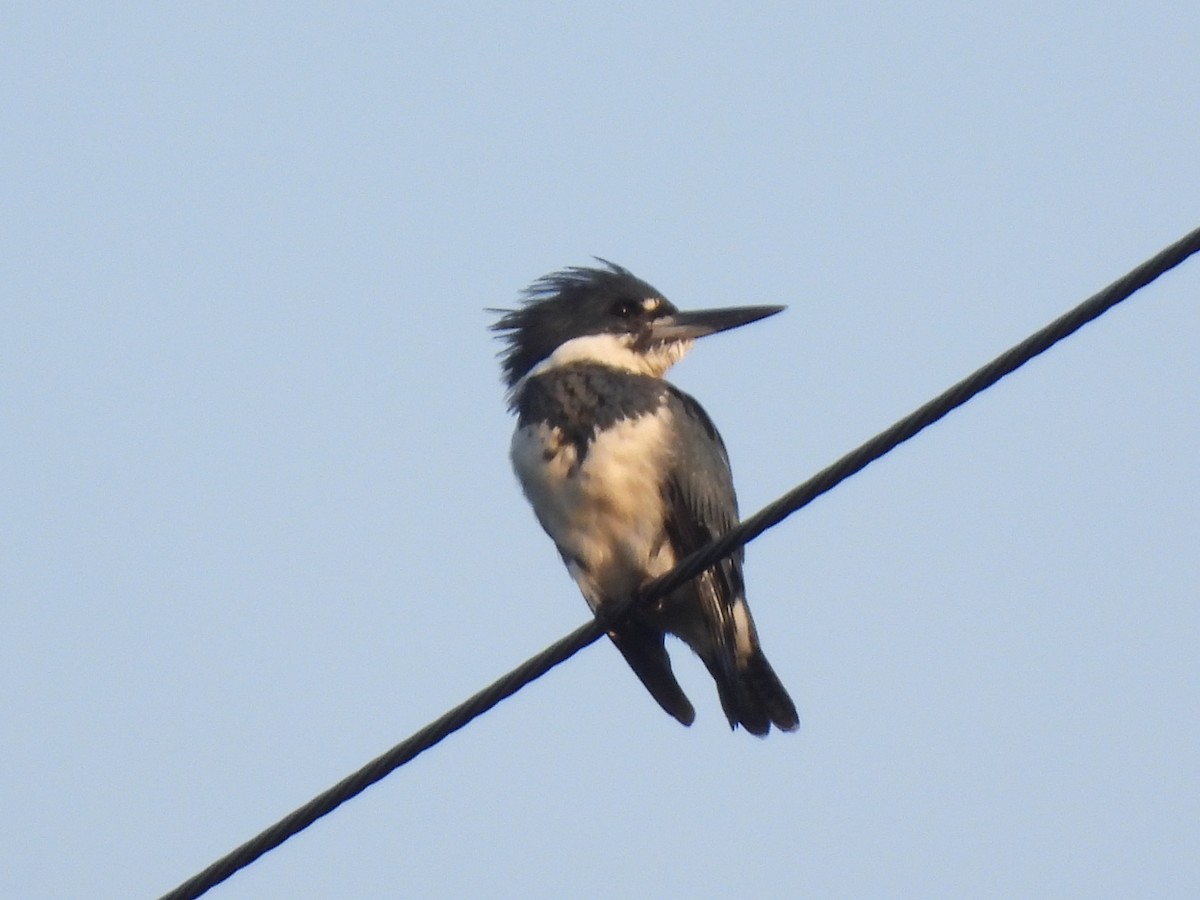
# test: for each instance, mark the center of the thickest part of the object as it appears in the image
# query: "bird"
(627, 475)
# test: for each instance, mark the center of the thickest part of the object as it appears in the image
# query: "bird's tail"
(755, 698)
(643, 648)
(751, 693)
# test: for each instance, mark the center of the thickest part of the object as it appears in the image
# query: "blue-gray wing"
(700, 506)
(711, 613)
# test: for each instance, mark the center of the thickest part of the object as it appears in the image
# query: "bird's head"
(609, 316)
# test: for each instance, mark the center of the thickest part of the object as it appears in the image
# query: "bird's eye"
(625, 309)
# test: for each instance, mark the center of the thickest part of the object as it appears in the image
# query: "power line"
(383, 765)
(949, 400)
(691, 566)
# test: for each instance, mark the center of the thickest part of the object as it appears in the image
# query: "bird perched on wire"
(627, 474)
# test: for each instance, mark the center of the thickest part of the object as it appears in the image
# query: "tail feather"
(753, 696)
(757, 698)
(765, 699)
(643, 648)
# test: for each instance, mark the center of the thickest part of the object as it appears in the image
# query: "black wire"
(690, 567)
(353, 785)
(939, 406)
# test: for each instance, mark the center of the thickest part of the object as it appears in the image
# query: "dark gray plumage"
(628, 474)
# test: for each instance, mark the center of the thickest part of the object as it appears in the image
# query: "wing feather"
(701, 505)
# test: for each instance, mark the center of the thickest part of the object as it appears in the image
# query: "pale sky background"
(258, 518)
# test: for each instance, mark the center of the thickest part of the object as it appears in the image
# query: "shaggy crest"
(578, 299)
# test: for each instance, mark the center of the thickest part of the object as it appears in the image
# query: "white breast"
(606, 512)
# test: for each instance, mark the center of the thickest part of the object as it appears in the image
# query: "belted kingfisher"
(627, 474)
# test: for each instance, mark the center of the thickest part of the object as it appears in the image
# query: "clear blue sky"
(258, 522)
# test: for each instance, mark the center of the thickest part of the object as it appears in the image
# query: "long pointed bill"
(689, 325)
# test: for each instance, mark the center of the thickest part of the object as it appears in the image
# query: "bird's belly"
(603, 504)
